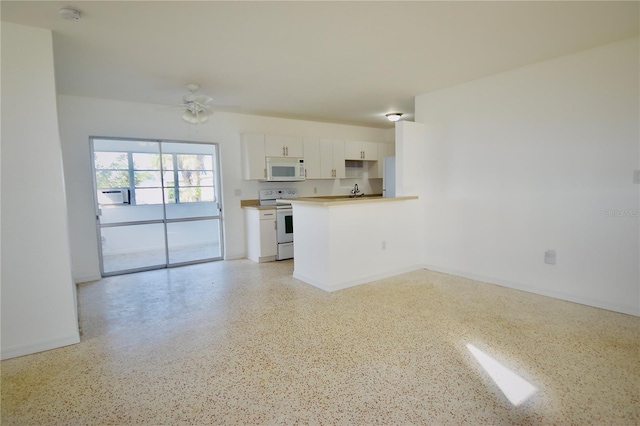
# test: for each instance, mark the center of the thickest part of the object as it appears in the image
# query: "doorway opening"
(157, 203)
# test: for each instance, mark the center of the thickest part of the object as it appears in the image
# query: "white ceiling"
(345, 62)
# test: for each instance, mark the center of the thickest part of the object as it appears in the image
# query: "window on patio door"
(158, 203)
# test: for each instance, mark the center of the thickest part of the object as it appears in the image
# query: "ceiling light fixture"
(393, 116)
(196, 106)
(70, 13)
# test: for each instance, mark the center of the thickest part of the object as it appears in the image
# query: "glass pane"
(111, 160)
(127, 213)
(146, 161)
(148, 196)
(112, 179)
(132, 247)
(195, 178)
(169, 195)
(196, 194)
(147, 179)
(195, 162)
(194, 240)
(190, 210)
(169, 179)
(167, 161)
(124, 145)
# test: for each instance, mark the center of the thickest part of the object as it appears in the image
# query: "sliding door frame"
(164, 220)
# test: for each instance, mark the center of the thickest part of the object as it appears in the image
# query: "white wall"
(38, 294)
(81, 118)
(539, 158)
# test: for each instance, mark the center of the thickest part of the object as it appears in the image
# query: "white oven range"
(284, 218)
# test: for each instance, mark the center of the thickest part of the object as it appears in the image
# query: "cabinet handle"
(265, 173)
(283, 151)
(287, 149)
(305, 172)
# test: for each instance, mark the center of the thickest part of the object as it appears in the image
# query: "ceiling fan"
(197, 108)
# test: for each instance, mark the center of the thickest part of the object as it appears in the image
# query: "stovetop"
(269, 197)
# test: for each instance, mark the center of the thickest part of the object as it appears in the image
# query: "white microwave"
(282, 169)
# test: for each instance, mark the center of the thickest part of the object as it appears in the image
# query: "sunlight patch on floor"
(515, 388)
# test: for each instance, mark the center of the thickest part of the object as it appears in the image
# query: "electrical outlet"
(315, 190)
(550, 257)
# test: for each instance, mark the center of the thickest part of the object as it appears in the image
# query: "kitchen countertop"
(336, 201)
(255, 203)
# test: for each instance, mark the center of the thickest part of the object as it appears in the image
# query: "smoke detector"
(70, 13)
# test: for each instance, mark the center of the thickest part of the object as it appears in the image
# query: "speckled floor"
(241, 343)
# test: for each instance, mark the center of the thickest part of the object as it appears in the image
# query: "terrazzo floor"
(244, 343)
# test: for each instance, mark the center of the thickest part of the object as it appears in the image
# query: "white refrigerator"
(389, 177)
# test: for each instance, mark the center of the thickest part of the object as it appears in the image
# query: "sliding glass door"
(158, 204)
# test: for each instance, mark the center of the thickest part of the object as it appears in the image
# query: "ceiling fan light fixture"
(393, 116)
(196, 106)
(193, 115)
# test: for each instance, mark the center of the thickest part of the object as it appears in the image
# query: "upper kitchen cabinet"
(356, 150)
(283, 146)
(312, 168)
(332, 159)
(324, 158)
(253, 155)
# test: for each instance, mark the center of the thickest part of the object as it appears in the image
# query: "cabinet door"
(268, 237)
(370, 151)
(253, 153)
(275, 146)
(353, 150)
(338, 158)
(326, 159)
(293, 146)
(312, 158)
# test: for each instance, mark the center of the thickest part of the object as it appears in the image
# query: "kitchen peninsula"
(344, 242)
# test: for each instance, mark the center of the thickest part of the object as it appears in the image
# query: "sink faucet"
(355, 192)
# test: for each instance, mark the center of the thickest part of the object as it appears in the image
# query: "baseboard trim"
(628, 310)
(236, 256)
(32, 348)
(353, 283)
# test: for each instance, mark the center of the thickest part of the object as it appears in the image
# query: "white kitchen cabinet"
(357, 150)
(260, 234)
(312, 169)
(332, 159)
(283, 146)
(253, 156)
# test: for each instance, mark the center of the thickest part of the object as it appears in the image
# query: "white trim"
(353, 283)
(86, 279)
(629, 310)
(32, 348)
(236, 256)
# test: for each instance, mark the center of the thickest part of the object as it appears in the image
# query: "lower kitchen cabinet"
(260, 234)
